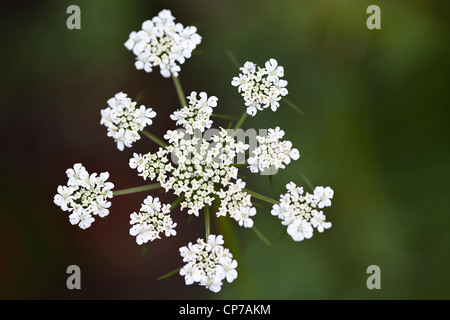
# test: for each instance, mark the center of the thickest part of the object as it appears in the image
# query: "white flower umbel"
(196, 116)
(237, 204)
(272, 152)
(124, 121)
(152, 220)
(208, 263)
(164, 43)
(298, 211)
(261, 88)
(202, 170)
(84, 196)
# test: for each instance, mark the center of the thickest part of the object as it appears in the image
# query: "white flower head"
(196, 115)
(272, 152)
(85, 196)
(163, 43)
(124, 121)
(208, 263)
(152, 220)
(298, 211)
(261, 88)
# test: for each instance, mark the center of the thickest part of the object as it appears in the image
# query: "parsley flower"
(272, 152)
(261, 88)
(124, 121)
(208, 263)
(299, 212)
(164, 43)
(84, 196)
(152, 220)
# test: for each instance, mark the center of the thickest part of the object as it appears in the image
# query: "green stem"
(180, 92)
(261, 236)
(232, 58)
(241, 120)
(301, 174)
(154, 138)
(176, 203)
(207, 222)
(261, 197)
(223, 116)
(136, 189)
(169, 274)
(294, 106)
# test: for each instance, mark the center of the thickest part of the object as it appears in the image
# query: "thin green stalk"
(207, 222)
(223, 116)
(169, 274)
(301, 174)
(293, 106)
(261, 197)
(137, 189)
(241, 120)
(176, 203)
(180, 92)
(154, 138)
(144, 249)
(232, 58)
(261, 236)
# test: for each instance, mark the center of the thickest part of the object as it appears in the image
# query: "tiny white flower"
(191, 273)
(323, 196)
(64, 197)
(82, 218)
(300, 229)
(318, 221)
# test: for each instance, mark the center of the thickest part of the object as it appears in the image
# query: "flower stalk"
(179, 90)
(137, 189)
(154, 138)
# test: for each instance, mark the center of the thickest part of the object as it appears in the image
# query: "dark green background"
(375, 130)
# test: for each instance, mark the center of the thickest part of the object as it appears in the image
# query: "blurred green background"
(375, 129)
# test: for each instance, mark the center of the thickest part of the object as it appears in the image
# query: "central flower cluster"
(164, 43)
(200, 170)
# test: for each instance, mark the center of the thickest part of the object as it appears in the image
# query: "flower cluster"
(84, 195)
(299, 211)
(261, 87)
(208, 263)
(164, 43)
(202, 169)
(124, 121)
(196, 116)
(272, 152)
(152, 219)
(237, 203)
